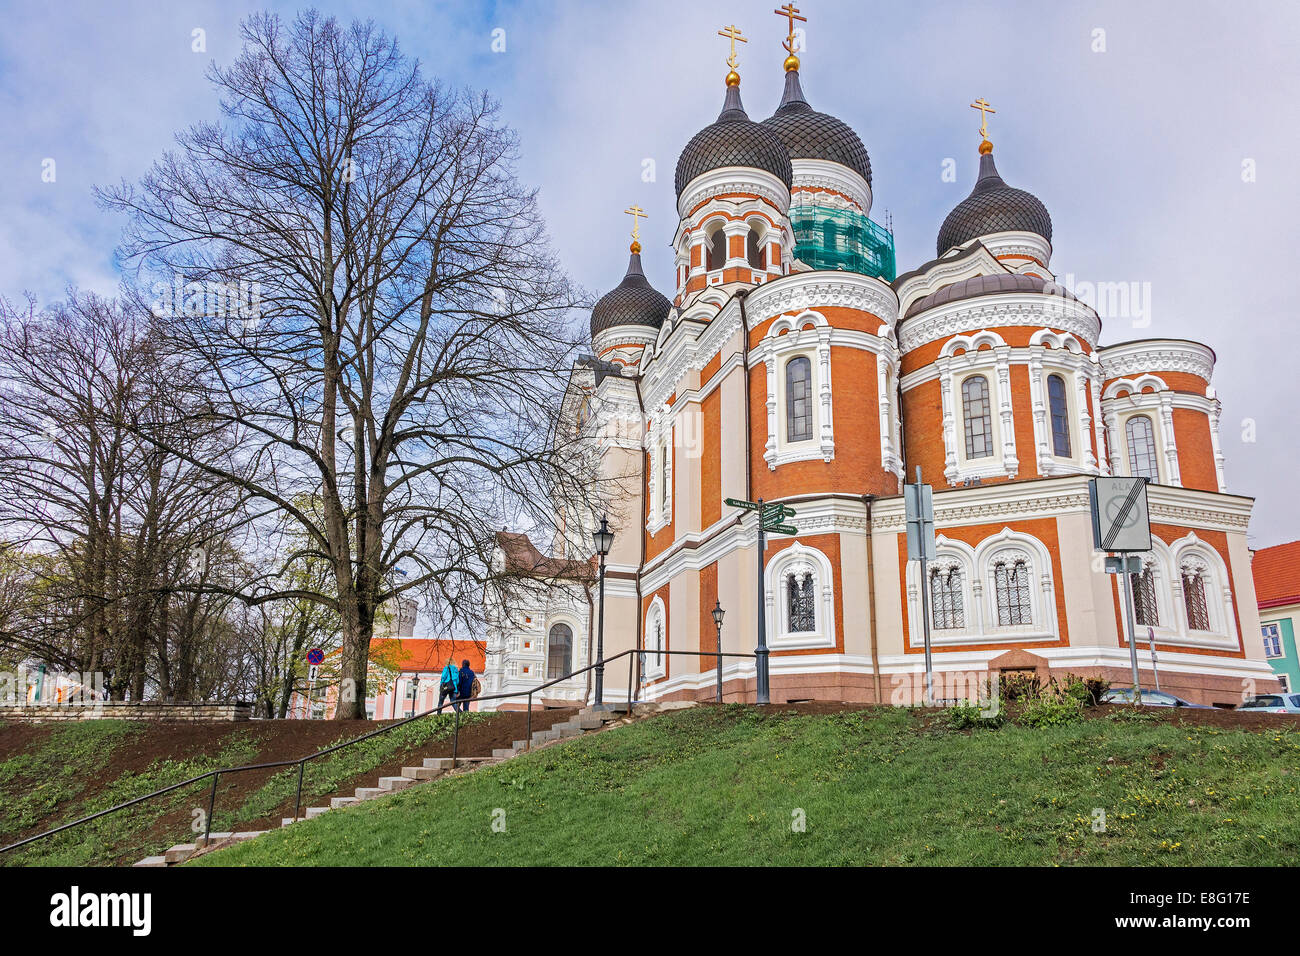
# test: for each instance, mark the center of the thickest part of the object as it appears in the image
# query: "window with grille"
(977, 416)
(798, 399)
(1011, 587)
(1198, 612)
(1060, 415)
(717, 250)
(559, 651)
(1145, 609)
(802, 603)
(1142, 447)
(1272, 640)
(946, 611)
(755, 250)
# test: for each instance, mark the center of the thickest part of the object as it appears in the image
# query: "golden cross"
(733, 32)
(790, 12)
(637, 214)
(982, 105)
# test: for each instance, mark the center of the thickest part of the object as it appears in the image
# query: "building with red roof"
(1277, 589)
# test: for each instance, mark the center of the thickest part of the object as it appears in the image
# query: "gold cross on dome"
(733, 33)
(791, 13)
(982, 105)
(637, 214)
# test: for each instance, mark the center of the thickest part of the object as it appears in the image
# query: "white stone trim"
(816, 174)
(1036, 309)
(1157, 355)
(787, 338)
(798, 559)
(994, 363)
(1027, 244)
(729, 180)
(653, 667)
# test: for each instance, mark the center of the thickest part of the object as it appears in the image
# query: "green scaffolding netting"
(828, 237)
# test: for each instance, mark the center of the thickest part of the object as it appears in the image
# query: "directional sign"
(782, 528)
(1119, 514)
(315, 656)
(741, 503)
(784, 511)
(918, 504)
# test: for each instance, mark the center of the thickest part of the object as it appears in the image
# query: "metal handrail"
(301, 762)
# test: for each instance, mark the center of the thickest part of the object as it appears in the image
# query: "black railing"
(301, 762)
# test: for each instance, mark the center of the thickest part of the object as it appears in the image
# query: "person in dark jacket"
(466, 688)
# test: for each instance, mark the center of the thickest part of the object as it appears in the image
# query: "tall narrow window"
(559, 651)
(663, 477)
(798, 399)
(1011, 585)
(802, 603)
(755, 250)
(1060, 415)
(1142, 447)
(717, 250)
(1198, 612)
(977, 416)
(945, 599)
(1146, 610)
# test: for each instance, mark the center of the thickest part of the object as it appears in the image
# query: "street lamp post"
(717, 619)
(603, 539)
(415, 692)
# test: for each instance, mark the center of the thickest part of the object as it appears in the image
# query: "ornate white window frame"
(1158, 405)
(1191, 553)
(798, 560)
(982, 353)
(656, 616)
(786, 338)
(891, 418)
(1050, 354)
(979, 592)
(660, 441)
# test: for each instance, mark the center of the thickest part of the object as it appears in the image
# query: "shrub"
(1020, 686)
(1087, 690)
(967, 715)
(1051, 710)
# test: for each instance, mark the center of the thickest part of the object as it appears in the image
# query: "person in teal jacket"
(448, 683)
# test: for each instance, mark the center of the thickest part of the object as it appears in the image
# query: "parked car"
(1273, 704)
(1150, 698)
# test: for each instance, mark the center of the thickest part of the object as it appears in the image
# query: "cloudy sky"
(1161, 135)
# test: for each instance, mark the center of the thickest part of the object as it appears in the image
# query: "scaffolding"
(834, 238)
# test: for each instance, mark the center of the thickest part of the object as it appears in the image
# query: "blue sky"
(1137, 151)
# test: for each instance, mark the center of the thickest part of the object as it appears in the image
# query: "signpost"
(1122, 524)
(771, 518)
(918, 502)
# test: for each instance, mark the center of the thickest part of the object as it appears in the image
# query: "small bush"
(1087, 690)
(1051, 710)
(966, 716)
(1020, 686)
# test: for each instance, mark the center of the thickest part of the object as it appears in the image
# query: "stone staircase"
(585, 721)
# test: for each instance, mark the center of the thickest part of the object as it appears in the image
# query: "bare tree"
(398, 342)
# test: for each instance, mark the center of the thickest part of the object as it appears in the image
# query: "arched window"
(946, 608)
(1146, 609)
(977, 416)
(1011, 587)
(1198, 612)
(1059, 410)
(1142, 447)
(717, 249)
(802, 602)
(655, 642)
(798, 399)
(755, 249)
(559, 651)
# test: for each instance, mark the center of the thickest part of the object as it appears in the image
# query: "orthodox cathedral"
(792, 363)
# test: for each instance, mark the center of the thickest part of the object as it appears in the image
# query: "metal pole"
(925, 601)
(1132, 626)
(719, 663)
(762, 691)
(600, 639)
(528, 734)
(631, 658)
(297, 803)
(455, 738)
(212, 804)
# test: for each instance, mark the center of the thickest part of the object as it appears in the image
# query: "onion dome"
(734, 140)
(987, 285)
(993, 206)
(632, 302)
(808, 134)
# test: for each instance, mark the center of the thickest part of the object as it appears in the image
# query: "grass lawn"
(735, 786)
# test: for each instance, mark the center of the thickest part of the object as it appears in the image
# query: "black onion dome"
(993, 206)
(633, 301)
(734, 140)
(808, 134)
(987, 285)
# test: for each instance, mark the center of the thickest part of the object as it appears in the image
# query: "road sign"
(1131, 563)
(315, 656)
(313, 672)
(1120, 521)
(918, 500)
(741, 503)
(782, 528)
(780, 511)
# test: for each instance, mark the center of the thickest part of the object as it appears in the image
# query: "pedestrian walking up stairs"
(588, 720)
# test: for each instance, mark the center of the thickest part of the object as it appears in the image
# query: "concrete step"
(421, 773)
(180, 853)
(286, 821)
(369, 793)
(246, 835)
(395, 783)
(588, 722)
(199, 841)
(504, 753)
(438, 763)
(313, 812)
(336, 802)
(152, 861)
(520, 745)
(564, 731)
